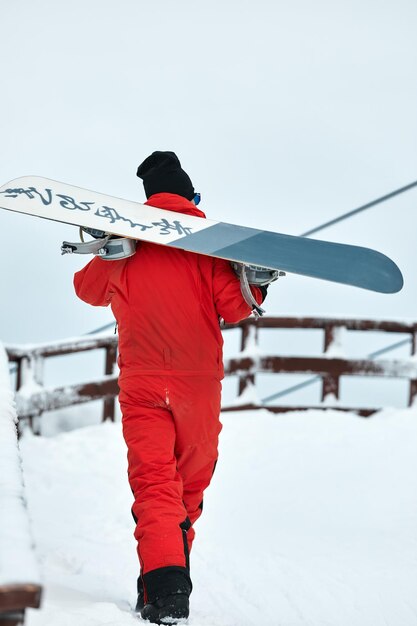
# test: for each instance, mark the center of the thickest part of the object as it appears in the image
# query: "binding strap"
(248, 296)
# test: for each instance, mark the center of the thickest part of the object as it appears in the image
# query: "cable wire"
(345, 216)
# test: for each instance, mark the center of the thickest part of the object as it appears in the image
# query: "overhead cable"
(368, 205)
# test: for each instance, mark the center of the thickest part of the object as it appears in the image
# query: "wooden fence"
(330, 368)
(33, 398)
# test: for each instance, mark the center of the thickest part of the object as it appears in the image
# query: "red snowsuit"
(167, 304)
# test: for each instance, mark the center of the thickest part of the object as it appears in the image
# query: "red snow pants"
(171, 427)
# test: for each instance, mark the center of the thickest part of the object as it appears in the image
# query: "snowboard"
(340, 263)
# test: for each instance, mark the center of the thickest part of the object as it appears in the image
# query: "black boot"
(167, 610)
(167, 595)
(140, 601)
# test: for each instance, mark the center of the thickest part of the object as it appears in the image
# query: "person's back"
(167, 304)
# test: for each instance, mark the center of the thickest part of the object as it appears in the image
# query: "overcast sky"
(285, 114)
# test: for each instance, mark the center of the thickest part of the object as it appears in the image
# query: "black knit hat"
(162, 172)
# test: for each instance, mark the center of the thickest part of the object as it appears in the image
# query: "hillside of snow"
(311, 520)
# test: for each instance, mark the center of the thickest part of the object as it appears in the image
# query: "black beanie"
(162, 172)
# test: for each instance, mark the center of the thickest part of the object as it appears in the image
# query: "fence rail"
(33, 397)
(15, 599)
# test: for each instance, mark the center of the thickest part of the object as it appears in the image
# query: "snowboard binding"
(254, 275)
(106, 246)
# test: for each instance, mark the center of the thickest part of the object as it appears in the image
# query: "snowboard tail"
(340, 263)
(335, 262)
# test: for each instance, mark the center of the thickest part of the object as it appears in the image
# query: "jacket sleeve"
(228, 299)
(92, 283)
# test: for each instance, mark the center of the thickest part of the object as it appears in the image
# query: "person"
(167, 303)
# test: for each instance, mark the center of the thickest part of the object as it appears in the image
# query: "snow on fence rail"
(19, 577)
(33, 398)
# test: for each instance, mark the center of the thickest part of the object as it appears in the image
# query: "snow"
(69, 343)
(17, 563)
(310, 520)
(335, 348)
(31, 374)
(248, 396)
(251, 349)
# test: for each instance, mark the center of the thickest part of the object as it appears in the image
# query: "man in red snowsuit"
(167, 303)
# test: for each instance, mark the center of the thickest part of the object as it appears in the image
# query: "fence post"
(249, 338)
(18, 374)
(330, 383)
(109, 403)
(413, 382)
(30, 375)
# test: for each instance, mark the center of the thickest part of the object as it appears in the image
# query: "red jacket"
(167, 303)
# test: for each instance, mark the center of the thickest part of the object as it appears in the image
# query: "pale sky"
(284, 114)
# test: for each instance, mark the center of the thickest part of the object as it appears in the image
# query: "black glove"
(264, 291)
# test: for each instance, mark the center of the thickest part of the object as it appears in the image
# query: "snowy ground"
(311, 520)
